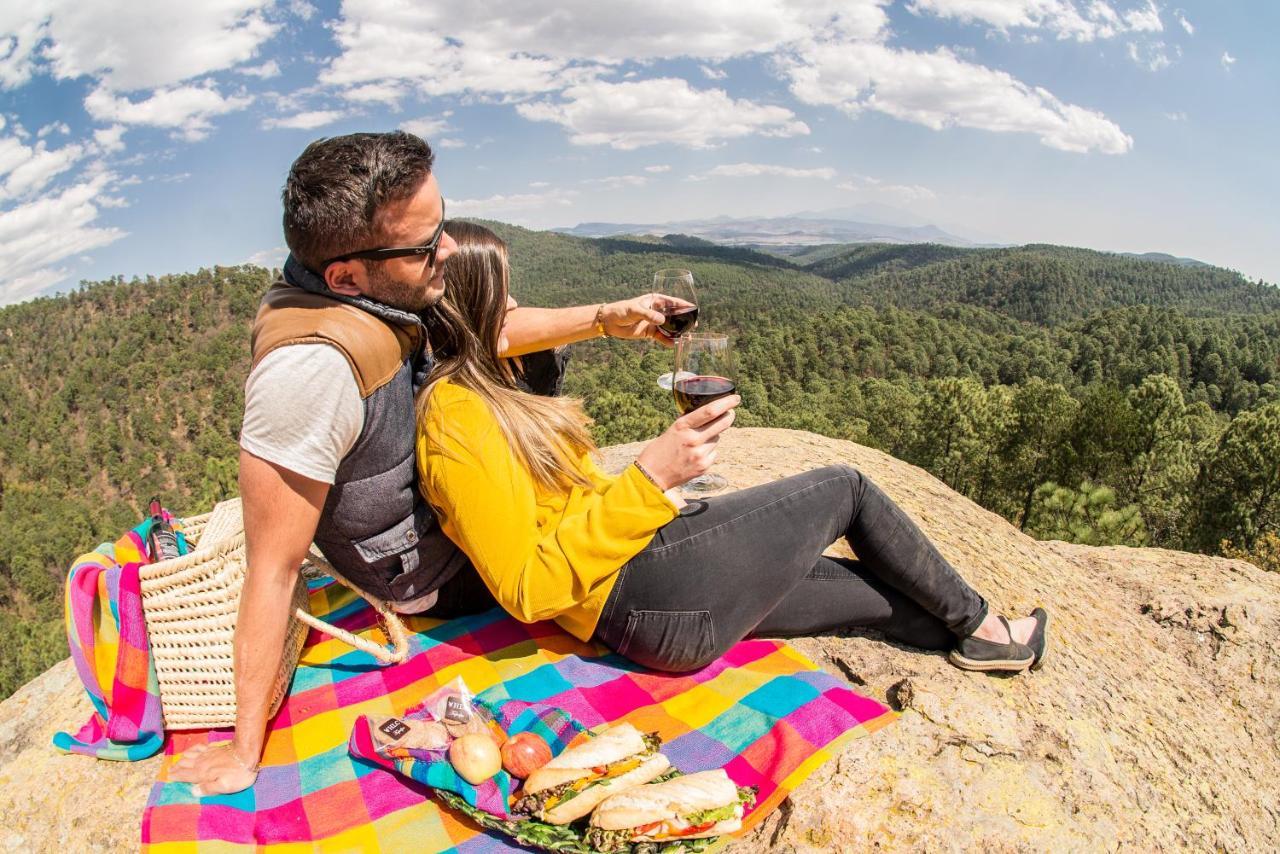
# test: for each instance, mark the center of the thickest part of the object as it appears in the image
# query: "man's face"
(408, 283)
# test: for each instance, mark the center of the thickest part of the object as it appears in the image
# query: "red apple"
(524, 753)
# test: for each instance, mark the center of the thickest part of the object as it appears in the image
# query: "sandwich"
(691, 806)
(571, 784)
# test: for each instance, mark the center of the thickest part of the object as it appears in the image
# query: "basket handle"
(390, 620)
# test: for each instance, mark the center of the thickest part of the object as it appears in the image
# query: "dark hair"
(337, 186)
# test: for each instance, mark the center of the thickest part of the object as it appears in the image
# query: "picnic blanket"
(108, 639)
(763, 712)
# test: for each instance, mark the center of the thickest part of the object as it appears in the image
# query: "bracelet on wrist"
(647, 476)
(599, 321)
(252, 768)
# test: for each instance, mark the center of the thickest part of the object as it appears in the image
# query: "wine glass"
(678, 302)
(706, 370)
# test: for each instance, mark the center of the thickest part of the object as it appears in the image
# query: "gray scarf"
(300, 277)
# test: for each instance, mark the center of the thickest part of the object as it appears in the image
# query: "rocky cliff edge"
(1153, 726)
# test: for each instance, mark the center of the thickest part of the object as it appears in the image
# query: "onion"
(475, 758)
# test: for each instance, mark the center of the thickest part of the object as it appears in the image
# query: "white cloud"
(555, 62)
(876, 189)
(495, 41)
(26, 169)
(658, 167)
(148, 44)
(381, 93)
(753, 170)
(37, 236)
(1186, 25)
(270, 258)
(1228, 60)
(428, 126)
(379, 47)
(1153, 56)
(504, 205)
(1176, 117)
(500, 48)
(617, 182)
(538, 185)
(186, 109)
(939, 90)
(22, 28)
(110, 139)
(302, 9)
(265, 71)
(450, 142)
(1065, 19)
(1142, 20)
(713, 73)
(53, 127)
(656, 112)
(305, 121)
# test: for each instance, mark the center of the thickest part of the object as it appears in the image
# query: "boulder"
(1152, 726)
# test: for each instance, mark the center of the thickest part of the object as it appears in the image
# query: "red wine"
(693, 392)
(680, 321)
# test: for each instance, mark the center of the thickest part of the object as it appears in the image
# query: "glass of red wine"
(706, 370)
(676, 300)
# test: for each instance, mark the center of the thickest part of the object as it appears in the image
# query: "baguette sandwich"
(691, 806)
(570, 785)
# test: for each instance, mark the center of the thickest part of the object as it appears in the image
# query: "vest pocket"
(399, 537)
(669, 640)
(394, 554)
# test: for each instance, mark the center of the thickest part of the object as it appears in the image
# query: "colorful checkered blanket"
(763, 712)
(108, 639)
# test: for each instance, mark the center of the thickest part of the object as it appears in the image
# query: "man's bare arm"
(281, 511)
(532, 329)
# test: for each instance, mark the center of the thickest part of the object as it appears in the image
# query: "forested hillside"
(1048, 284)
(1084, 396)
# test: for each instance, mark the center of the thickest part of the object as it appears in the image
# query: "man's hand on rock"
(214, 769)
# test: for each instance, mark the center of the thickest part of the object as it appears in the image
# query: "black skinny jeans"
(751, 563)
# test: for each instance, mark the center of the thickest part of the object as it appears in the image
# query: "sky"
(151, 137)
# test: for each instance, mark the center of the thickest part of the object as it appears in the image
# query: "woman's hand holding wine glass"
(687, 449)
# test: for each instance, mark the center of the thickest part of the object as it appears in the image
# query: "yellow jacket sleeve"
(540, 559)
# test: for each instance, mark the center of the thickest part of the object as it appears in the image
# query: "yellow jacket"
(542, 555)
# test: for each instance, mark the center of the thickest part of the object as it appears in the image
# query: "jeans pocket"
(669, 640)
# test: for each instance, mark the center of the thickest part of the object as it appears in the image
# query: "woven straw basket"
(191, 604)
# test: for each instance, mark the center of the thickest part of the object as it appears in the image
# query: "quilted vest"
(375, 527)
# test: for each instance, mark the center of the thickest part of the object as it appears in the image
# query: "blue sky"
(154, 138)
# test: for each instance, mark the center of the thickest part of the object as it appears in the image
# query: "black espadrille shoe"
(975, 653)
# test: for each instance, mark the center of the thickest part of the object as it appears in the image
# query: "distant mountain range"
(801, 232)
(1164, 258)
(810, 229)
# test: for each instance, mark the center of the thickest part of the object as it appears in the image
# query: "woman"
(669, 585)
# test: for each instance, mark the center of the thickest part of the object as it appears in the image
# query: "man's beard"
(405, 296)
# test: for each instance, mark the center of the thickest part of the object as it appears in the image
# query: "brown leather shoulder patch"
(374, 348)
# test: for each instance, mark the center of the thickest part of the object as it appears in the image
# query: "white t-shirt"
(302, 410)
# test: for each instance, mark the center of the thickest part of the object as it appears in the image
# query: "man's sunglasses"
(428, 249)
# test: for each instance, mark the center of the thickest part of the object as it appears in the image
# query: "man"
(327, 444)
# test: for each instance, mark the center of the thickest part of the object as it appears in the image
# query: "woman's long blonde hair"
(548, 435)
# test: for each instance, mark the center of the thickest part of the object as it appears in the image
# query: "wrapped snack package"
(416, 743)
(395, 737)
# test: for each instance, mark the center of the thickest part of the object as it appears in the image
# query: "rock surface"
(1153, 726)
